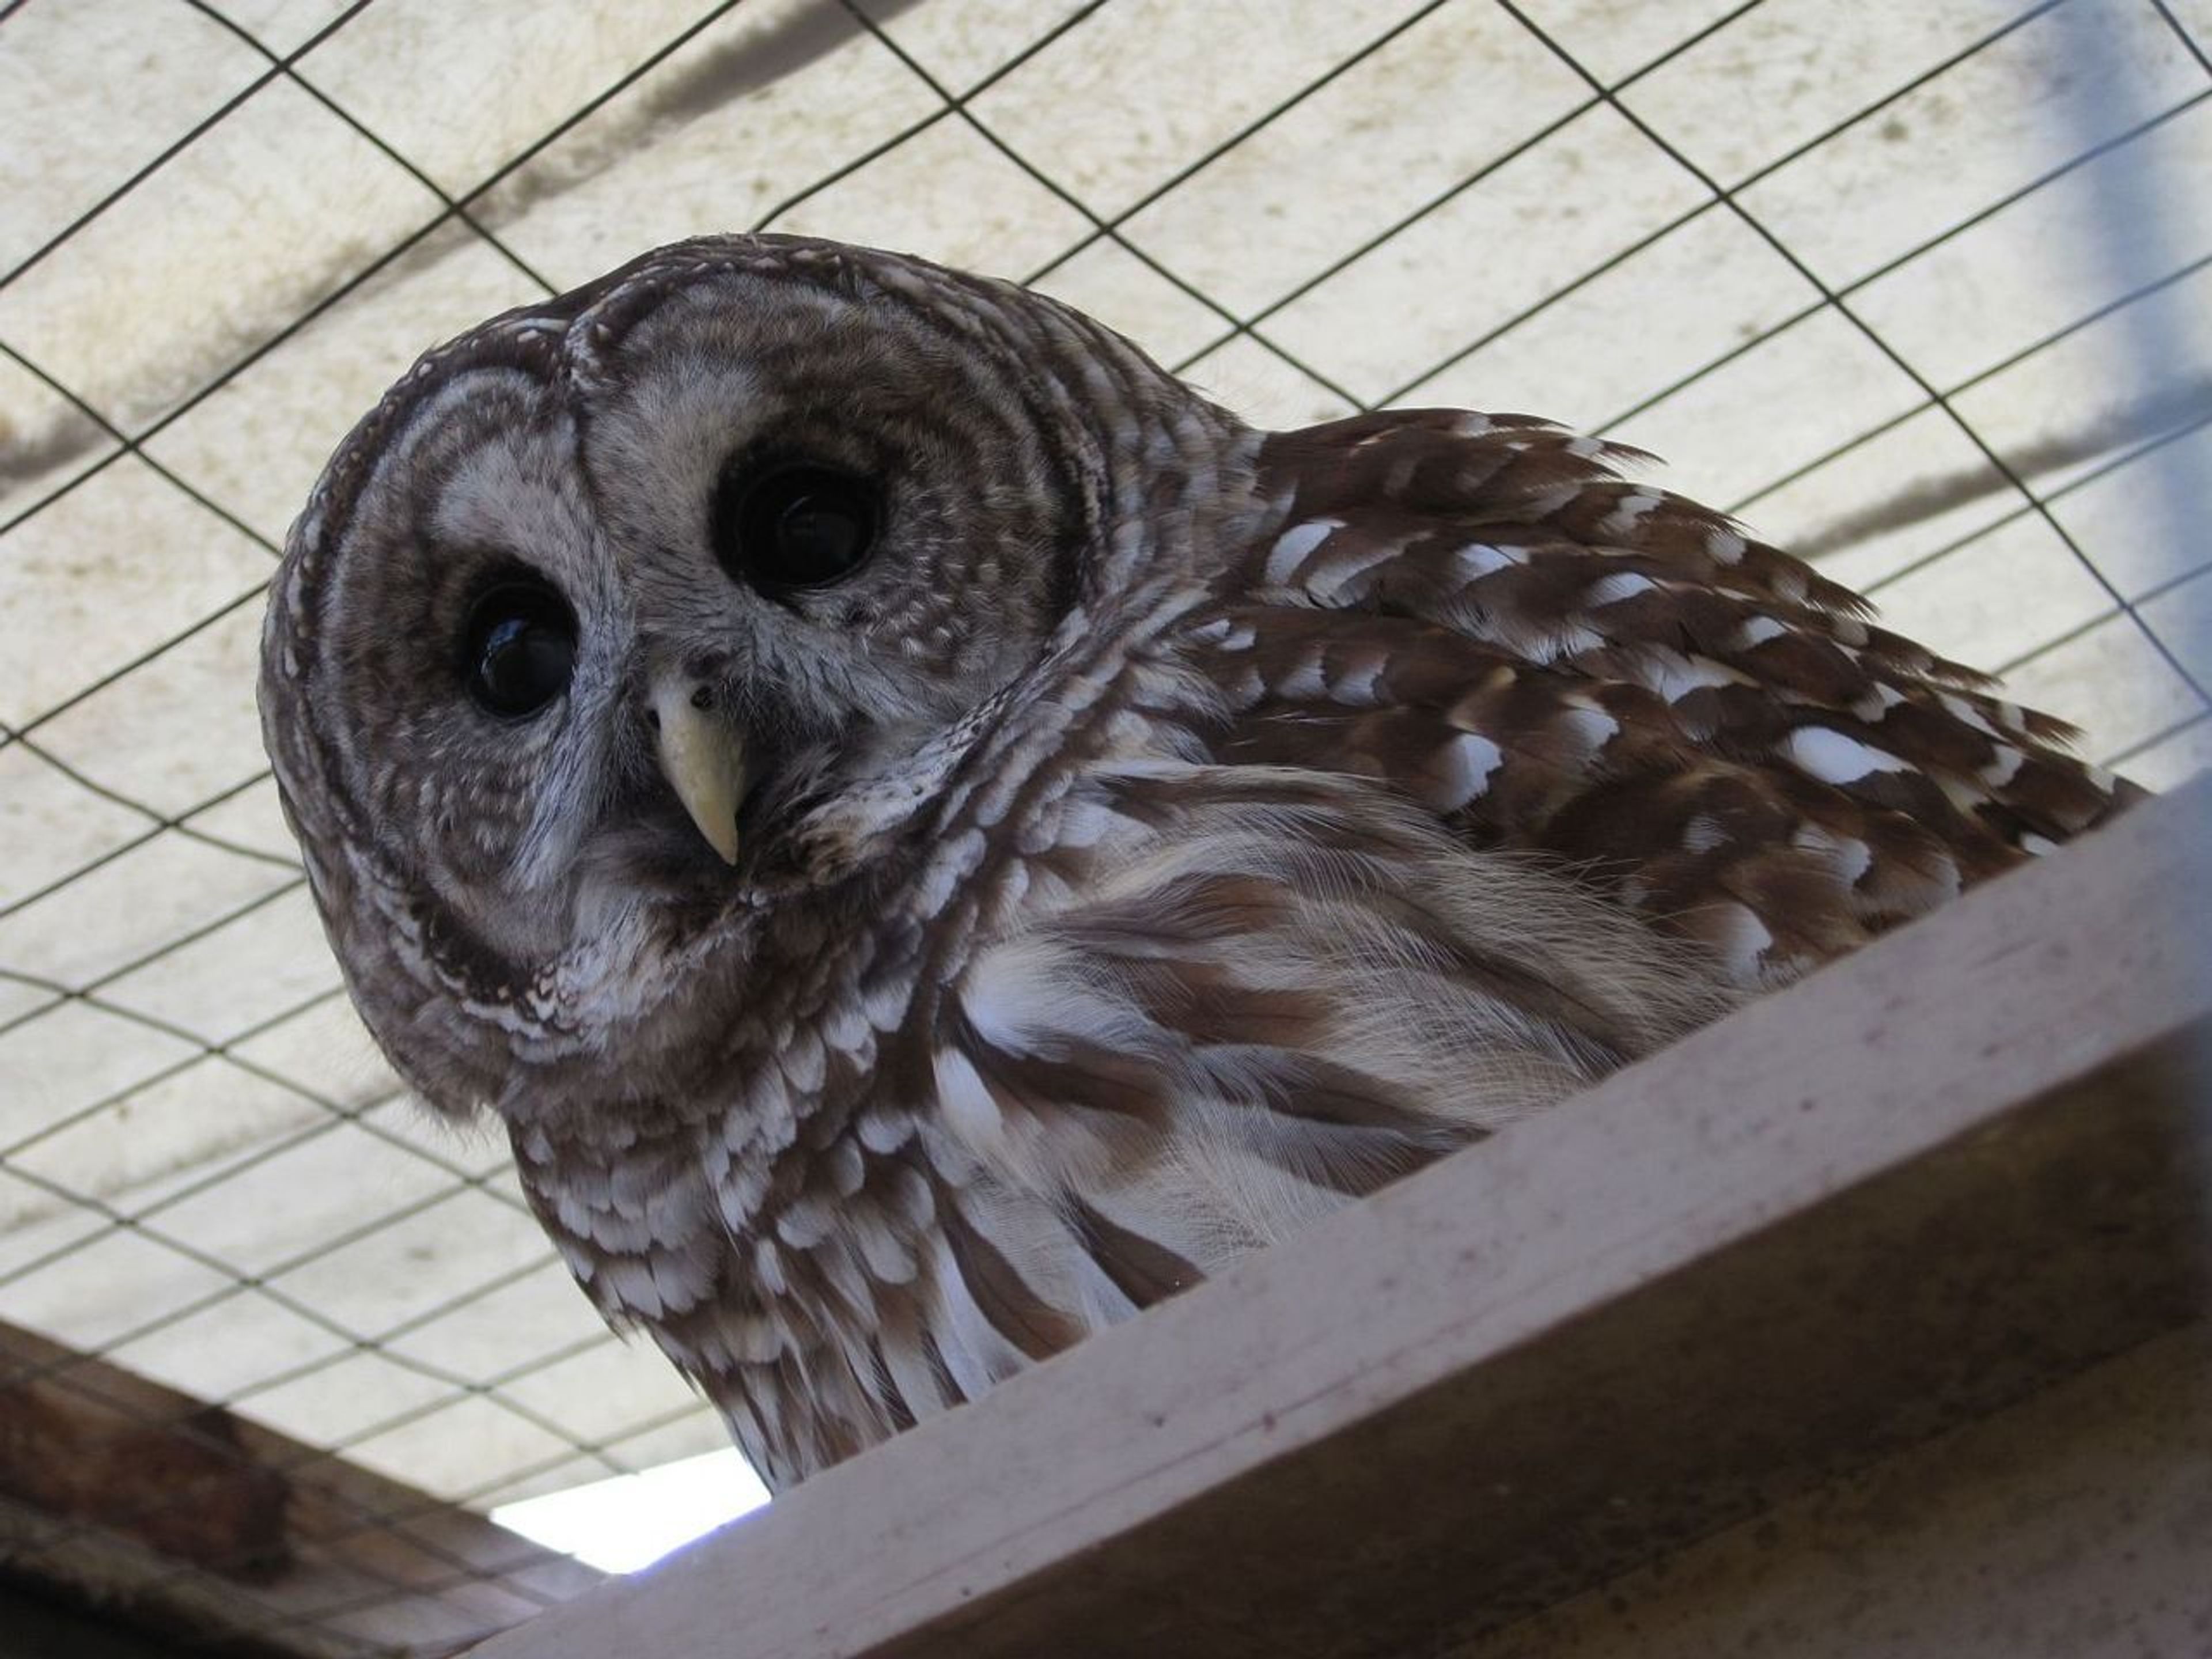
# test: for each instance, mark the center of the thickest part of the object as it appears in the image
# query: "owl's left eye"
(520, 648)
(794, 526)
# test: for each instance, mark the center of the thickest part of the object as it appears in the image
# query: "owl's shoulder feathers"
(1481, 609)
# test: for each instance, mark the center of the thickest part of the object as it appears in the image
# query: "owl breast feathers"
(932, 836)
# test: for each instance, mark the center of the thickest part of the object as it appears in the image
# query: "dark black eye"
(794, 526)
(519, 649)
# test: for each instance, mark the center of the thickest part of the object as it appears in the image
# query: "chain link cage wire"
(1921, 290)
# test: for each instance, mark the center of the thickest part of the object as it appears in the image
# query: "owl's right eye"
(520, 648)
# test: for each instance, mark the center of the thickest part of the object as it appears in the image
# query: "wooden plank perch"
(1917, 1192)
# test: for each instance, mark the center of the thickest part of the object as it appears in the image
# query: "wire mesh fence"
(1919, 290)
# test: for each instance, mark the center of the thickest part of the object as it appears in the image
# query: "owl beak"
(703, 759)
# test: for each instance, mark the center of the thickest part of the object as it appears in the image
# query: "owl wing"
(1177, 1010)
(1236, 998)
(1479, 611)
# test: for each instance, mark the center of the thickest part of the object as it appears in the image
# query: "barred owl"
(931, 835)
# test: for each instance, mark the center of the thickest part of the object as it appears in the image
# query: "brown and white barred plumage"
(1172, 832)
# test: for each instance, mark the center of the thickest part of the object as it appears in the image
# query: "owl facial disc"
(702, 758)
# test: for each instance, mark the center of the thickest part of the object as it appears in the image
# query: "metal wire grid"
(141, 1214)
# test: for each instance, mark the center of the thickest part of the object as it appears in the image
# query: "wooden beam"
(1930, 1181)
(179, 1518)
(2070, 1525)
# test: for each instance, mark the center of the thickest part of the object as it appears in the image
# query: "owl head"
(626, 617)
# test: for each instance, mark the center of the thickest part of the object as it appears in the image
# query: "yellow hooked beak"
(702, 758)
